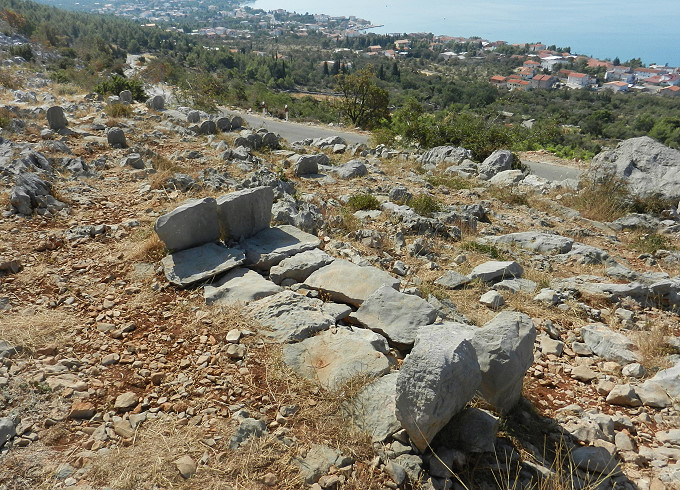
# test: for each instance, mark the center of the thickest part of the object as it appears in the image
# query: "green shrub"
(359, 202)
(23, 50)
(450, 182)
(116, 84)
(482, 248)
(5, 118)
(651, 243)
(424, 204)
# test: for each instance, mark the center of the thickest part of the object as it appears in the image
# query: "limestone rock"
(7, 430)
(529, 240)
(300, 266)
(504, 348)
(349, 283)
(594, 460)
(192, 224)
(244, 213)
(290, 317)
(472, 430)
(608, 344)
(186, 466)
(126, 401)
(318, 461)
(452, 280)
(56, 119)
(436, 380)
(373, 409)
(647, 166)
(197, 264)
(495, 163)
(239, 285)
(29, 193)
(496, 270)
(116, 137)
(333, 358)
(272, 245)
(395, 315)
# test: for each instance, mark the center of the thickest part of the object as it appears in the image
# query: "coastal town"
(540, 68)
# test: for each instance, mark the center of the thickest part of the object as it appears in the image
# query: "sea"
(605, 29)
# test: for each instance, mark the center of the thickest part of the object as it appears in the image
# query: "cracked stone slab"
(272, 245)
(239, 285)
(198, 264)
(349, 283)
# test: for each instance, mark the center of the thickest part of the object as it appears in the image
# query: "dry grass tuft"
(151, 249)
(4, 200)
(654, 347)
(34, 331)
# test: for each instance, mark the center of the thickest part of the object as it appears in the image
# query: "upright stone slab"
(333, 358)
(349, 283)
(239, 286)
(272, 245)
(198, 264)
(395, 315)
(192, 224)
(435, 382)
(290, 317)
(125, 97)
(244, 213)
(116, 137)
(504, 348)
(157, 103)
(373, 409)
(56, 119)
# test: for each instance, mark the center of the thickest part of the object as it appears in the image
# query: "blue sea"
(600, 28)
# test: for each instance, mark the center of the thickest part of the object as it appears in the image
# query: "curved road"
(294, 131)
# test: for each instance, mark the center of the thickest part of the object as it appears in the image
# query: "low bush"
(118, 110)
(362, 202)
(651, 243)
(450, 182)
(116, 84)
(602, 198)
(424, 204)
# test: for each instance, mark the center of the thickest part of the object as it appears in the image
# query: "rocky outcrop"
(647, 167)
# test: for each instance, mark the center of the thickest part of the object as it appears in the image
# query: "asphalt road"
(293, 131)
(552, 172)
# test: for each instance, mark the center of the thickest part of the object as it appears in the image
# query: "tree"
(362, 101)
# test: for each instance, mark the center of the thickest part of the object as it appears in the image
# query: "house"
(375, 49)
(536, 47)
(621, 74)
(672, 91)
(514, 84)
(402, 44)
(447, 55)
(526, 73)
(616, 87)
(578, 80)
(531, 64)
(595, 63)
(644, 73)
(543, 81)
(549, 62)
(499, 81)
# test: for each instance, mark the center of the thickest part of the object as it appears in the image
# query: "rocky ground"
(481, 333)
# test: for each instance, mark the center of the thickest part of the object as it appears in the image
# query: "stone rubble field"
(186, 303)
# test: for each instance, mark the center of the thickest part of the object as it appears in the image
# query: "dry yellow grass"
(31, 331)
(654, 347)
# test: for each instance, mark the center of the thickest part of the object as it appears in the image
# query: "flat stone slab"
(516, 285)
(192, 224)
(395, 315)
(373, 410)
(452, 280)
(271, 246)
(299, 267)
(198, 264)
(290, 317)
(496, 270)
(349, 283)
(333, 358)
(535, 242)
(608, 344)
(239, 286)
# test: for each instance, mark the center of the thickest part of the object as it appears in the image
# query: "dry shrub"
(654, 347)
(4, 200)
(9, 80)
(113, 123)
(33, 331)
(151, 249)
(118, 110)
(509, 195)
(601, 198)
